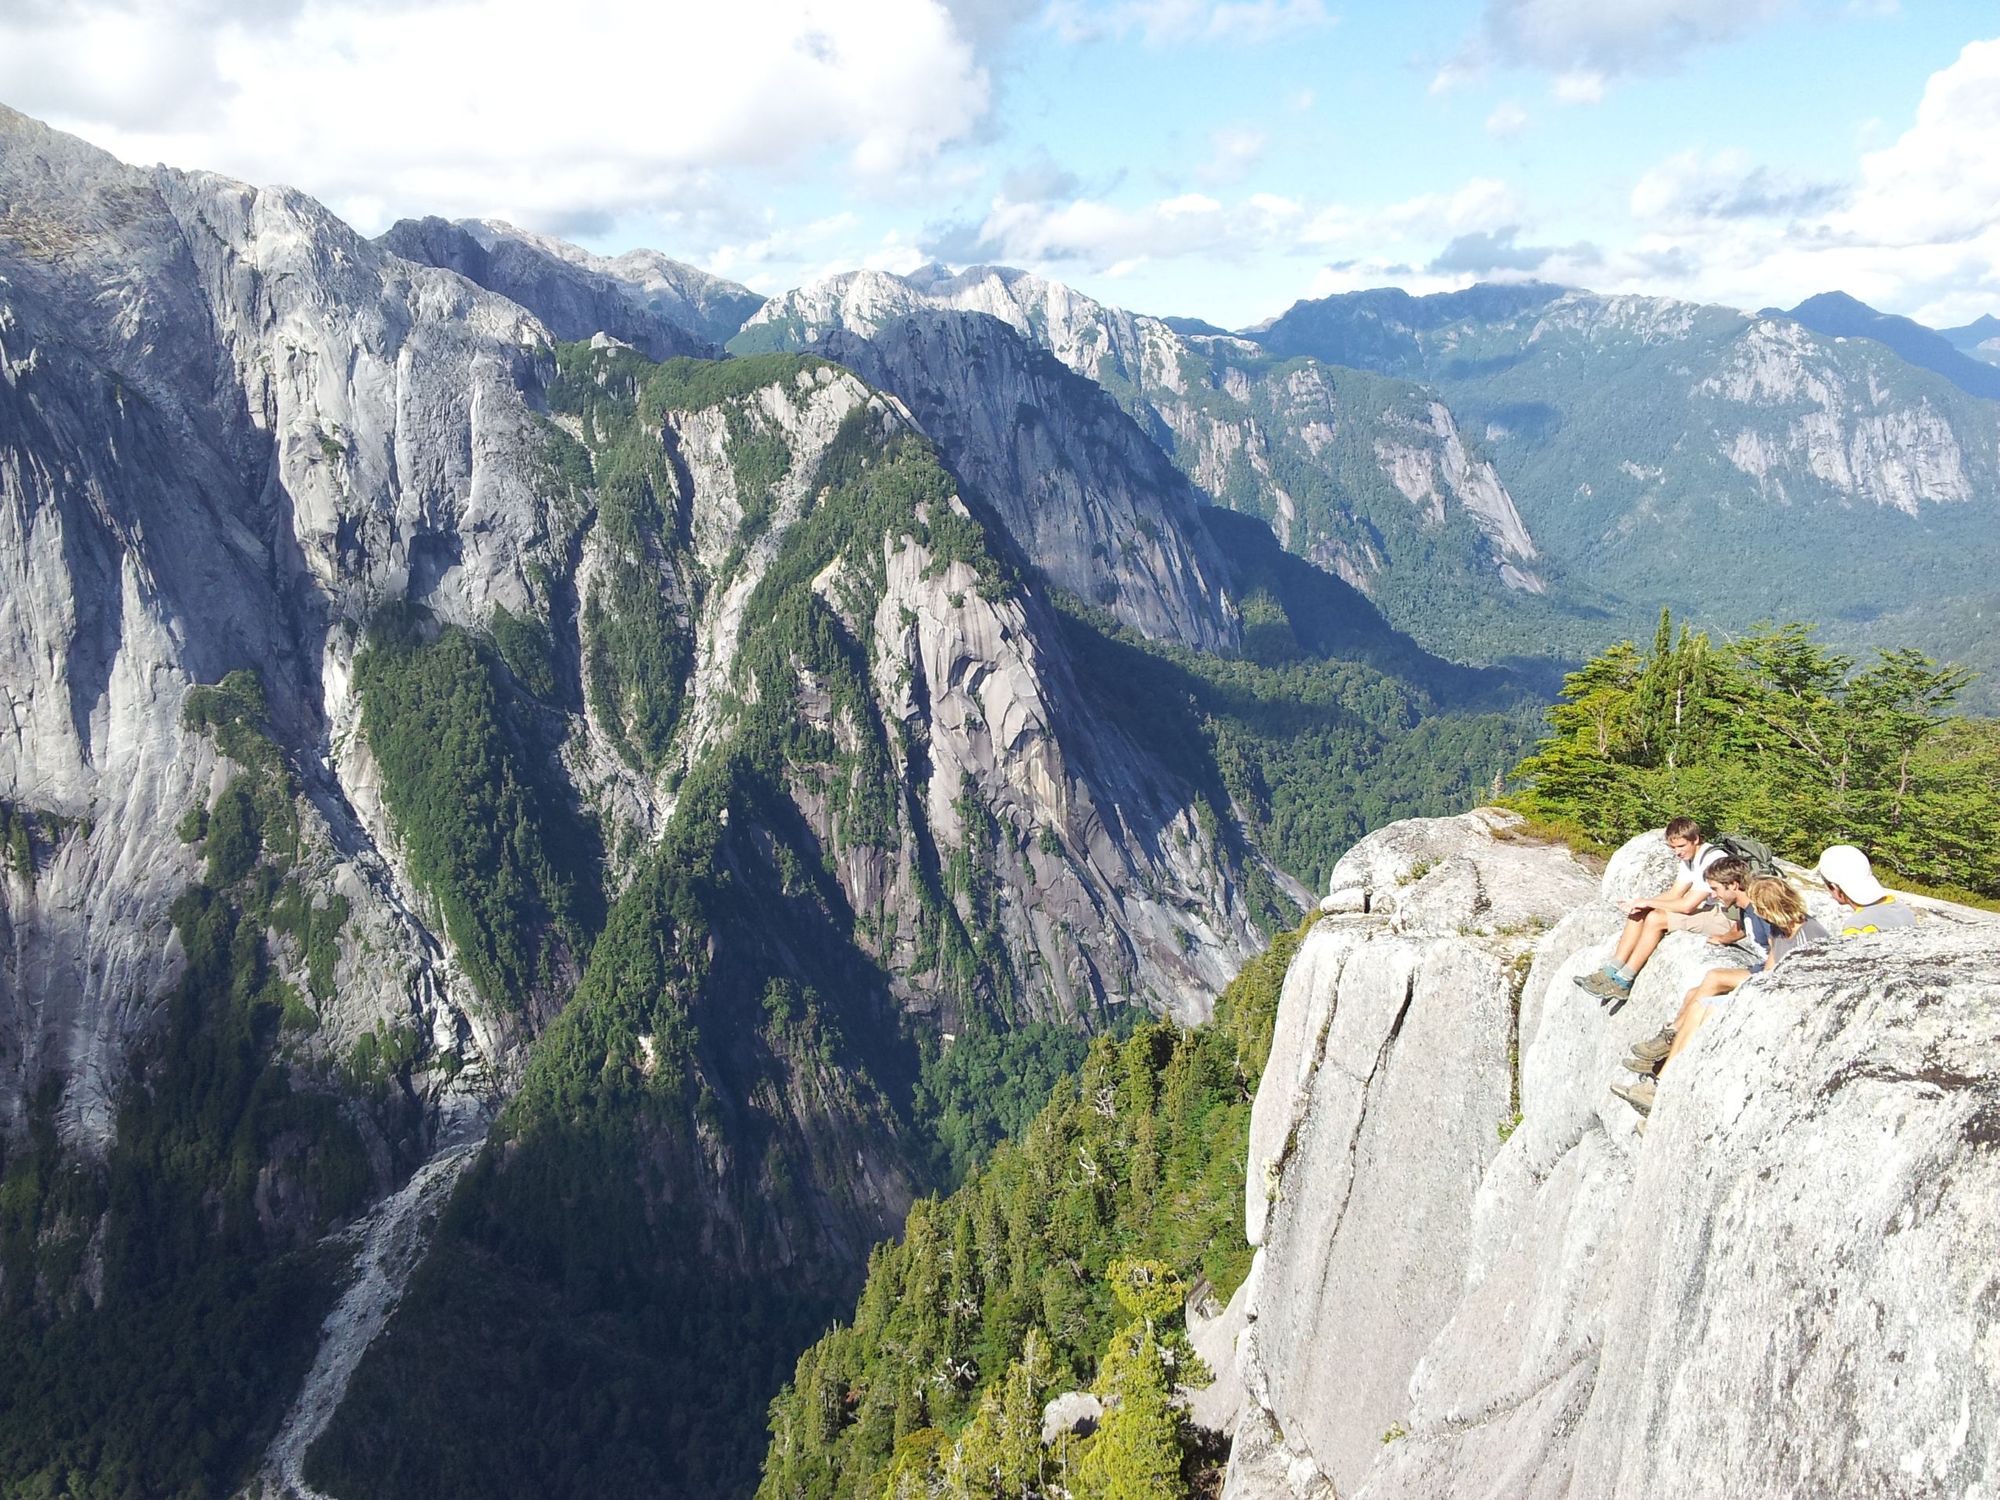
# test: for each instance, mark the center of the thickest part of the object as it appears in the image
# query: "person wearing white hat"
(1851, 881)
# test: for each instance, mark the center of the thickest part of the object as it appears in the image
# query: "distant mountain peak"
(1839, 315)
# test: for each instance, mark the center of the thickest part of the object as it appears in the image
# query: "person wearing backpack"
(1775, 906)
(1688, 906)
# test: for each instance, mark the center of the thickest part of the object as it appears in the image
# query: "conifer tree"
(1136, 1454)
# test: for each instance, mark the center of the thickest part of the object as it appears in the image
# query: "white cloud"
(485, 106)
(1688, 190)
(1584, 86)
(1507, 119)
(1940, 181)
(1236, 149)
(1480, 203)
(1160, 23)
(1917, 230)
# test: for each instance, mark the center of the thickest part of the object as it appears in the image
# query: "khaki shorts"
(1711, 922)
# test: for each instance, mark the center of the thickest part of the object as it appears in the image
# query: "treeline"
(1033, 1278)
(1783, 738)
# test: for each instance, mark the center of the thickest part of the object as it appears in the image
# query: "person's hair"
(1778, 902)
(1729, 870)
(1684, 828)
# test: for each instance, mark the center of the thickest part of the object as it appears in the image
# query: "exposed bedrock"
(1478, 1278)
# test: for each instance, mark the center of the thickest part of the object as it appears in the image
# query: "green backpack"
(1755, 853)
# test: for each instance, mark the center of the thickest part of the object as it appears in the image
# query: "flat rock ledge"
(1475, 1276)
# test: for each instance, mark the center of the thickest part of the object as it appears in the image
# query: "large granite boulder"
(1478, 1278)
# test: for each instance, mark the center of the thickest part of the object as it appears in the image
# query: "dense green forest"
(487, 831)
(163, 1379)
(1010, 1280)
(1780, 737)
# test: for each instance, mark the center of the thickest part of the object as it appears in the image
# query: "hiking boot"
(1638, 1095)
(1600, 983)
(1645, 1067)
(1613, 993)
(1654, 1049)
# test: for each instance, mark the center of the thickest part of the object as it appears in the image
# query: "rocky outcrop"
(1478, 1278)
(232, 431)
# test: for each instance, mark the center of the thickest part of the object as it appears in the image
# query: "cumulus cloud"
(1940, 180)
(386, 107)
(1486, 253)
(1584, 86)
(1094, 235)
(1507, 119)
(1916, 231)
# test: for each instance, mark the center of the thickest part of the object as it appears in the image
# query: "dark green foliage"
(523, 644)
(1141, 1156)
(235, 834)
(984, 1087)
(486, 835)
(28, 836)
(168, 1383)
(1312, 752)
(233, 712)
(1778, 737)
(589, 1322)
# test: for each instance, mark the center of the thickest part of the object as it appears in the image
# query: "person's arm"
(1724, 939)
(1666, 900)
(1685, 897)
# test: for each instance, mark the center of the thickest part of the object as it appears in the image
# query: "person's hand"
(1638, 908)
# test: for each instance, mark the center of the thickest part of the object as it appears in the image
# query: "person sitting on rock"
(1690, 906)
(1774, 905)
(1851, 881)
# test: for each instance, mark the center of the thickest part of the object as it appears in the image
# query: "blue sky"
(1216, 158)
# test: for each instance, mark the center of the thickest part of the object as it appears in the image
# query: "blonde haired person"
(1776, 902)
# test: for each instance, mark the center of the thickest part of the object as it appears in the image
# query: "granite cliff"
(1476, 1277)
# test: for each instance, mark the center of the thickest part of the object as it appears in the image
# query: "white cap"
(1847, 867)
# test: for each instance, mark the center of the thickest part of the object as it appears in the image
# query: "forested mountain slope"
(421, 727)
(1738, 468)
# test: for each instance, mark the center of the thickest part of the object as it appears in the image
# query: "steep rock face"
(1771, 1292)
(231, 428)
(712, 307)
(1090, 501)
(1838, 315)
(1363, 475)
